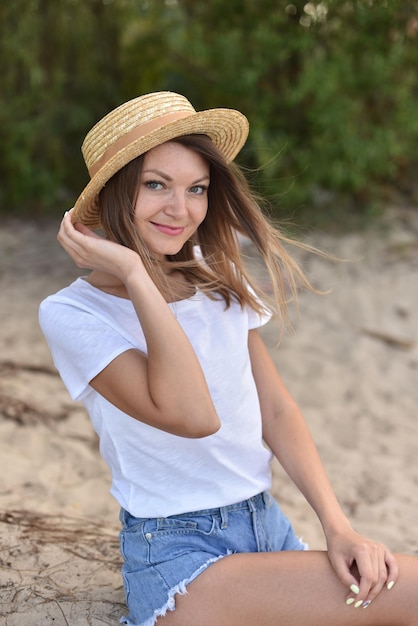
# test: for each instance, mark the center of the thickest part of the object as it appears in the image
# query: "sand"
(351, 363)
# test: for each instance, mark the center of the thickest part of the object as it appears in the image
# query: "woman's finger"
(378, 569)
(392, 570)
(76, 240)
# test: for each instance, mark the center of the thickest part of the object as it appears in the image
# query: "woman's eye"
(198, 189)
(153, 184)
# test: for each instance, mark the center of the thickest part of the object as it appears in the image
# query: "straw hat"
(144, 123)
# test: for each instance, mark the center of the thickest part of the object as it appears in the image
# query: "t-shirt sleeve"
(81, 344)
(255, 320)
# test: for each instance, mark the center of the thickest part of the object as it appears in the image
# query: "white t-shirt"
(154, 473)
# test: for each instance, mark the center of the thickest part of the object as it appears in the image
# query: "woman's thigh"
(286, 589)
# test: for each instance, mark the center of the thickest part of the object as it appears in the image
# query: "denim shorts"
(162, 555)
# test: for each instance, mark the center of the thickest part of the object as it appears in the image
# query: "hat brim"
(227, 128)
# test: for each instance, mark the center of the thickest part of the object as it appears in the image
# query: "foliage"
(53, 88)
(329, 88)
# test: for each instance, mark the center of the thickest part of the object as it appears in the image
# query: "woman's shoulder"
(79, 293)
(78, 300)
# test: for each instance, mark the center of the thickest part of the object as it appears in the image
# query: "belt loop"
(224, 517)
(266, 499)
(251, 504)
(123, 516)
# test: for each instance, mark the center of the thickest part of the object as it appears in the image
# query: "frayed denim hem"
(181, 589)
(304, 544)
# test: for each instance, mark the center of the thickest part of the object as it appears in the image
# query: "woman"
(160, 342)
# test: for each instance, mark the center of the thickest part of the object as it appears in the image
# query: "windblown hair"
(232, 209)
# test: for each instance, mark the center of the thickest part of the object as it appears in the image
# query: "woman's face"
(173, 197)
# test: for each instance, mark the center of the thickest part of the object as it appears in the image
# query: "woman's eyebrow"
(169, 178)
(159, 173)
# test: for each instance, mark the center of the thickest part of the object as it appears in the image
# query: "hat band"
(134, 134)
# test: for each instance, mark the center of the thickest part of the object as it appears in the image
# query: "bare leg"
(289, 589)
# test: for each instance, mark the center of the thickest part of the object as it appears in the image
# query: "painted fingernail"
(366, 604)
(349, 601)
(358, 603)
(355, 588)
(390, 585)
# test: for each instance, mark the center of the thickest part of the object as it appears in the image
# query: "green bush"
(329, 88)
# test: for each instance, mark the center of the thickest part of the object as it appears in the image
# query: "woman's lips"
(168, 230)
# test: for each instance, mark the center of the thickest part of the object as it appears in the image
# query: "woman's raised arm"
(165, 388)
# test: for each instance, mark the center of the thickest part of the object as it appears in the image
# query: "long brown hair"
(232, 209)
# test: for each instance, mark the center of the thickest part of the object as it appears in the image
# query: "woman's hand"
(364, 566)
(89, 250)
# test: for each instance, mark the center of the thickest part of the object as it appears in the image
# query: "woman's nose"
(177, 204)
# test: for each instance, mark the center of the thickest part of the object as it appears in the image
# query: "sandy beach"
(351, 362)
